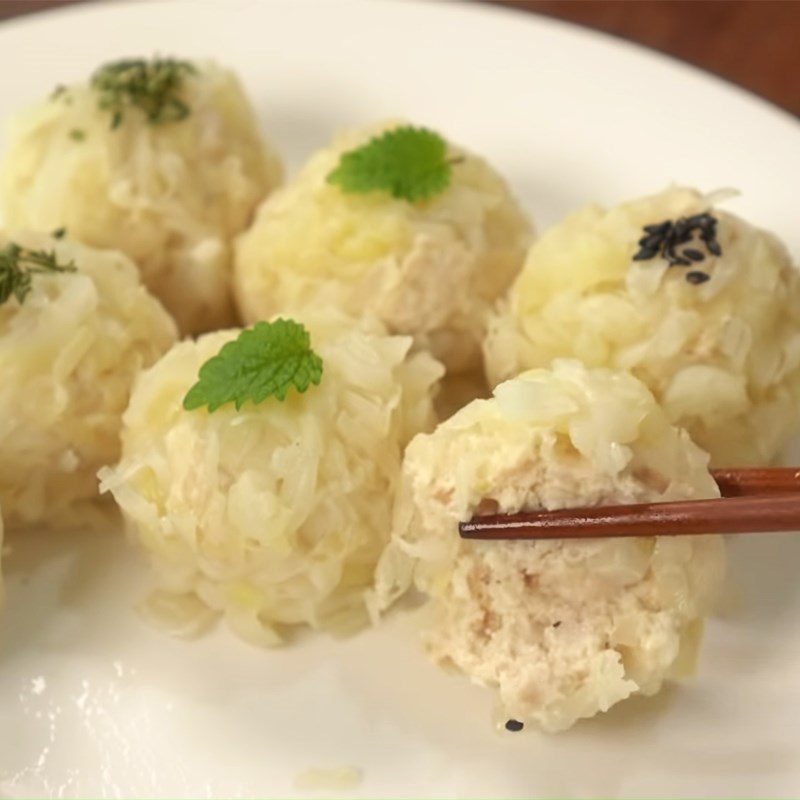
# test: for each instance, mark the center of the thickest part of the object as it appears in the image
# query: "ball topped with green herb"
(391, 221)
(159, 157)
(76, 326)
(259, 469)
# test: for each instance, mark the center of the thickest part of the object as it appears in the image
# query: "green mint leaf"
(409, 163)
(264, 361)
(151, 86)
(18, 264)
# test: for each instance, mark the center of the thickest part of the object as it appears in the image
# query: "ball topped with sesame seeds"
(696, 302)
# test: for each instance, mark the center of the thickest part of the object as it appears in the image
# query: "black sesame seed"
(514, 725)
(556, 623)
(696, 277)
(661, 227)
(653, 240)
(665, 239)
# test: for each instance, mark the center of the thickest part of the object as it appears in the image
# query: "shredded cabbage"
(562, 629)
(722, 357)
(274, 515)
(429, 270)
(69, 355)
(170, 196)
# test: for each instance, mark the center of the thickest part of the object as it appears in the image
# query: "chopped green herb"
(264, 361)
(409, 163)
(151, 86)
(77, 135)
(58, 91)
(59, 233)
(18, 265)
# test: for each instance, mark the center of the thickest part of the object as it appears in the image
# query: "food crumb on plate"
(329, 778)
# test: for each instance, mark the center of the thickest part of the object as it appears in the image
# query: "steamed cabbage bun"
(562, 629)
(69, 353)
(274, 515)
(169, 184)
(430, 269)
(715, 336)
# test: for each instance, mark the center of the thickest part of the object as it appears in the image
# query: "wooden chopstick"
(764, 480)
(757, 501)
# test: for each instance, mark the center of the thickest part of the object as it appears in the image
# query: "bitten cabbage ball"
(701, 306)
(273, 515)
(76, 326)
(430, 267)
(161, 159)
(562, 629)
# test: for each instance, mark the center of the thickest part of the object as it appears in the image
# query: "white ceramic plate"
(94, 703)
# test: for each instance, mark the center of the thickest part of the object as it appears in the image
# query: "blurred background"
(755, 43)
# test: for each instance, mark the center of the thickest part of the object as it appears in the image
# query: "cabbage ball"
(561, 629)
(170, 185)
(700, 305)
(69, 353)
(272, 516)
(2, 589)
(429, 269)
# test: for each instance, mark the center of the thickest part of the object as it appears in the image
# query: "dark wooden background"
(755, 43)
